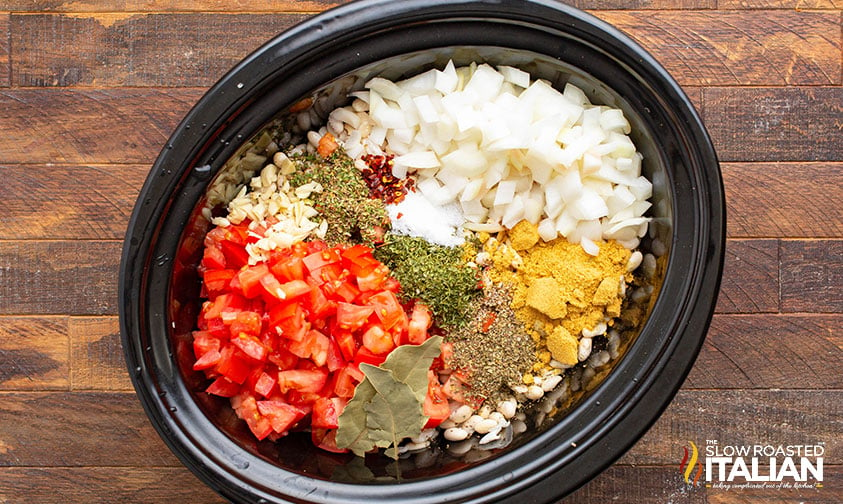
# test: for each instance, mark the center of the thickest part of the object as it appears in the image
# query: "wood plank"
(58, 277)
(775, 124)
(644, 4)
(5, 63)
(89, 125)
(750, 282)
(72, 201)
(34, 353)
(136, 49)
(724, 48)
(812, 276)
(661, 484)
(97, 429)
(780, 4)
(96, 354)
(103, 485)
(797, 352)
(794, 200)
(743, 417)
(170, 5)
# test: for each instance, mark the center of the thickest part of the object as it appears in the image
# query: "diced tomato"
(387, 308)
(347, 342)
(346, 381)
(207, 360)
(436, 406)
(302, 380)
(320, 259)
(236, 255)
(233, 365)
(352, 317)
(373, 278)
(419, 323)
(377, 340)
(326, 412)
(228, 302)
(283, 358)
(217, 280)
(281, 415)
(287, 267)
(290, 319)
(265, 384)
(326, 439)
(259, 424)
(247, 322)
(250, 346)
(369, 357)
(314, 346)
(223, 387)
(334, 360)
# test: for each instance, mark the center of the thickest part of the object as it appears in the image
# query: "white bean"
(634, 261)
(584, 349)
(303, 120)
(492, 436)
(497, 417)
(456, 434)
(485, 425)
(461, 414)
(507, 408)
(471, 423)
(596, 331)
(535, 392)
(658, 248)
(649, 265)
(447, 424)
(462, 447)
(518, 427)
(551, 382)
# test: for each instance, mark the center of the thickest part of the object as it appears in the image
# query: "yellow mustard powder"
(558, 289)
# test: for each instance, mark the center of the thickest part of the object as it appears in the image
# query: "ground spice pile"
(492, 347)
(345, 203)
(557, 288)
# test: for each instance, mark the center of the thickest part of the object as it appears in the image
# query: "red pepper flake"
(400, 214)
(490, 319)
(382, 183)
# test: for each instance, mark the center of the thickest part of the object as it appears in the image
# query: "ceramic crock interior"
(295, 452)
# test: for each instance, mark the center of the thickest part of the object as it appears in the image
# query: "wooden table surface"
(90, 91)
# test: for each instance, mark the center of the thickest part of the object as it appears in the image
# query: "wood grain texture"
(58, 277)
(664, 484)
(96, 429)
(89, 126)
(727, 48)
(775, 124)
(96, 354)
(103, 485)
(5, 62)
(799, 352)
(170, 5)
(780, 4)
(74, 202)
(787, 417)
(797, 200)
(812, 275)
(136, 49)
(750, 282)
(34, 353)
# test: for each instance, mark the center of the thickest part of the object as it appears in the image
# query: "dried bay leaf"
(410, 364)
(352, 432)
(394, 413)
(387, 405)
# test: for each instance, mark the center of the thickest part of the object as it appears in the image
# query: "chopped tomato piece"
(265, 384)
(295, 288)
(321, 258)
(435, 406)
(369, 357)
(218, 280)
(326, 412)
(326, 439)
(223, 387)
(352, 317)
(387, 308)
(302, 380)
(419, 323)
(208, 359)
(250, 346)
(247, 322)
(233, 365)
(281, 415)
(377, 340)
